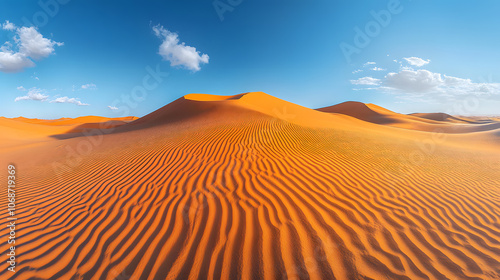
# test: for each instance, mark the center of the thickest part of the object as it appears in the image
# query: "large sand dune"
(254, 187)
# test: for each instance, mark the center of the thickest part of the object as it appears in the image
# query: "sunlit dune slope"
(21, 131)
(74, 121)
(254, 187)
(15, 133)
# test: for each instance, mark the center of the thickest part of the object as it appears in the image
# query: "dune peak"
(216, 97)
(210, 97)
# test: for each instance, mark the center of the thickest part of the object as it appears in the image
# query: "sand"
(254, 187)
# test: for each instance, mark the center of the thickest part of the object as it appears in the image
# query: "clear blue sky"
(288, 48)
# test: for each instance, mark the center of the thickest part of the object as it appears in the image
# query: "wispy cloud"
(424, 82)
(8, 26)
(89, 86)
(425, 86)
(38, 94)
(66, 99)
(417, 61)
(113, 108)
(366, 81)
(179, 54)
(35, 94)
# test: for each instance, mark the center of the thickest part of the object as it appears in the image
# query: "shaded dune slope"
(444, 117)
(360, 111)
(243, 188)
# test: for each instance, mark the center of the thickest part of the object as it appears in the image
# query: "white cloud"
(33, 94)
(366, 81)
(401, 68)
(369, 63)
(66, 99)
(413, 81)
(357, 71)
(38, 94)
(178, 53)
(425, 82)
(6, 47)
(112, 108)
(417, 61)
(435, 89)
(367, 88)
(89, 86)
(31, 45)
(8, 26)
(378, 69)
(14, 62)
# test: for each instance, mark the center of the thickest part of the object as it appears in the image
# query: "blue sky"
(76, 57)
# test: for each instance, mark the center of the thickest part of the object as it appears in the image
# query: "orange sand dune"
(444, 117)
(19, 131)
(434, 122)
(254, 187)
(15, 133)
(73, 121)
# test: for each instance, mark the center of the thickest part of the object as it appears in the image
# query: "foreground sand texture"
(254, 187)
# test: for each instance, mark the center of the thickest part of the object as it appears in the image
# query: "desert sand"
(253, 187)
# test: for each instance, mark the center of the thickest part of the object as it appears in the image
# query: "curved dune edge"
(245, 195)
(210, 97)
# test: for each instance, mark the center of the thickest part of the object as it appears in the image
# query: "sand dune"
(74, 121)
(361, 111)
(444, 117)
(24, 130)
(254, 187)
(433, 122)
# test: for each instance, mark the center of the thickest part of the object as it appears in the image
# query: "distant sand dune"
(253, 187)
(433, 122)
(445, 117)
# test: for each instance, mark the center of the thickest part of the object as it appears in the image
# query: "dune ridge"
(254, 187)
